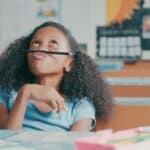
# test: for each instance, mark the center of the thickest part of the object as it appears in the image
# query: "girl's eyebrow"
(35, 39)
(50, 39)
(53, 39)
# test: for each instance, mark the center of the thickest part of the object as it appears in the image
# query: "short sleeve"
(84, 109)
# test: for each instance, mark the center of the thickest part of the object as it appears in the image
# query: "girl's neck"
(51, 80)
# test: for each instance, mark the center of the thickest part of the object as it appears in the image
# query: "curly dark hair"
(83, 80)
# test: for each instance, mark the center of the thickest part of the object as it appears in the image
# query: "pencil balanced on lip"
(48, 52)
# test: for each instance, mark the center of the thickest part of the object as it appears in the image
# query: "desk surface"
(27, 140)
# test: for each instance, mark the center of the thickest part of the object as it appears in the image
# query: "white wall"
(76, 16)
(146, 3)
(80, 16)
(98, 17)
(16, 20)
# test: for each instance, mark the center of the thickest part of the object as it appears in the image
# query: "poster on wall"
(119, 11)
(121, 37)
(48, 10)
(146, 29)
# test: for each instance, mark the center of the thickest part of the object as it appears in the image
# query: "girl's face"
(49, 39)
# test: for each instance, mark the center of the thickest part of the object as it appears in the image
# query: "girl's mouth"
(39, 55)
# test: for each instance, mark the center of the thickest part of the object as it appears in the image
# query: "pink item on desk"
(131, 139)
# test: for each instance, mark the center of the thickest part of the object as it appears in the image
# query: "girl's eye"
(54, 42)
(35, 43)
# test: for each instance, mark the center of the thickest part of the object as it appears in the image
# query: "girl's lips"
(38, 55)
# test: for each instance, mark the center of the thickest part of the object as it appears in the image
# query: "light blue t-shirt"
(34, 119)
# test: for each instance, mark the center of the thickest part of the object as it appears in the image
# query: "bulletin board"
(121, 37)
(145, 29)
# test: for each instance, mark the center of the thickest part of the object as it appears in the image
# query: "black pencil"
(49, 52)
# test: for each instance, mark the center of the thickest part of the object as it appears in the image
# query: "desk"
(39, 140)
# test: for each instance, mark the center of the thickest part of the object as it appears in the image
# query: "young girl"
(47, 83)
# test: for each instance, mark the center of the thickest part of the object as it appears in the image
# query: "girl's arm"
(84, 118)
(82, 125)
(16, 116)
(3, 115)
(36, 92)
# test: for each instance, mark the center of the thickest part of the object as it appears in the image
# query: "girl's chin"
(43, 72)
(39, 70)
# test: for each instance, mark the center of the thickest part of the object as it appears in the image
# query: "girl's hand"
(45, 94)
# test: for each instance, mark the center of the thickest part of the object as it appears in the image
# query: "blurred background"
(86, 19)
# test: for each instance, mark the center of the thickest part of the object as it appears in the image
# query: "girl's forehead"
(49, 31)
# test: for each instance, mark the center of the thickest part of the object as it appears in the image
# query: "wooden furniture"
(133, 114)
(126, 116)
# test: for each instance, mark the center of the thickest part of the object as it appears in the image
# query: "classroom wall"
(80, 17)
(146, 3)
(76, 16)
(87, 14)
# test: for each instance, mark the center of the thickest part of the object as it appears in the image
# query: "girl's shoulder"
(76, 100)
(83, 108)
(84, 102)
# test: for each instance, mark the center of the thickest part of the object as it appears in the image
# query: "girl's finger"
(53, 104)
(60, 105)
(65, 107)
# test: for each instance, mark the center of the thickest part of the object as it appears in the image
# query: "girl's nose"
(43, 47)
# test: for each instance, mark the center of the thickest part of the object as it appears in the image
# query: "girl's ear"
(69, 64)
